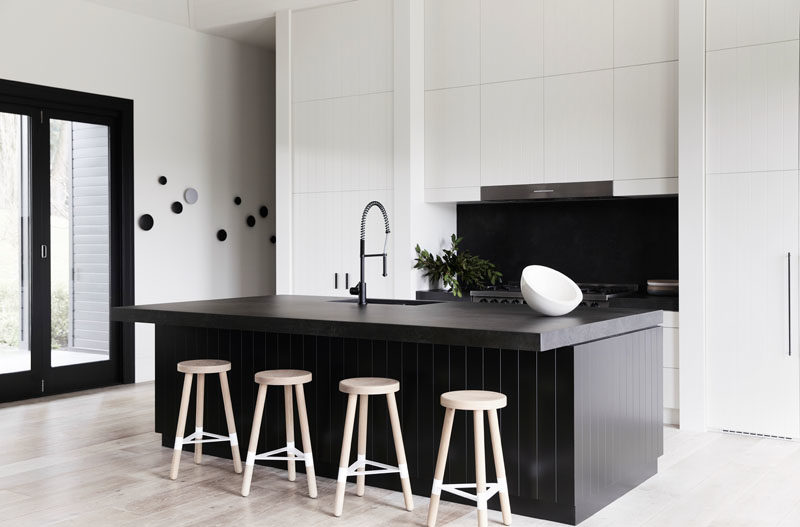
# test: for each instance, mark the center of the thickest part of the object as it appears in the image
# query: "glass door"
(56, 284)
(15, 342)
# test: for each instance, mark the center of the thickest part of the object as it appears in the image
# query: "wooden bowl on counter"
(662, 287)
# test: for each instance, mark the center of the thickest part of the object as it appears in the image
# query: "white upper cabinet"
(578, 35)
(645, 31)
(511, 37)
(342, 49)
(579, 127)
(512, 132)
(452, 138)
(646, 121)
(752, 111)
(452, 43)
(343, 144)
(732, 23)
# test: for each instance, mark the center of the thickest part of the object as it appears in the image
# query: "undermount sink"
(388, 301)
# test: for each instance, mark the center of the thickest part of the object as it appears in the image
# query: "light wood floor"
(92, 459)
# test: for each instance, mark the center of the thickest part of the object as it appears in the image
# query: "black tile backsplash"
(614, 240)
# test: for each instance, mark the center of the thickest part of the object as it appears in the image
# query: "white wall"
(203, 117)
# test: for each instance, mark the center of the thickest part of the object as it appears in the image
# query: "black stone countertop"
(665, 303)
(455, 323)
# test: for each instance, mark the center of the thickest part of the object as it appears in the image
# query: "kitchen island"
(583, 423)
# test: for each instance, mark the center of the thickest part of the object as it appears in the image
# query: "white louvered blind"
(90, 227)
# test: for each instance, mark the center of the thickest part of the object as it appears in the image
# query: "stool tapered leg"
(287, 404)
(500, 467)
(344, 459)
(400, 450)
(363, 408)
(251, 449)
(176, 456)
(480, 467)
(226, 401)
(441, 463)
(306, 435)
(198, 416)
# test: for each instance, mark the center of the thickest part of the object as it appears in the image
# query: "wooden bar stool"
(201, 368)
(478, 401)
(364, 387)
(287, 379)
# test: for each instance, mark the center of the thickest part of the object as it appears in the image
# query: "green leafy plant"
(459, 270)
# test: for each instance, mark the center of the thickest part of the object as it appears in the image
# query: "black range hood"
(541, 191)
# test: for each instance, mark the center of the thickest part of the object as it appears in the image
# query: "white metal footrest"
(481, 499)
(362, 462)
(201, 436)
(272, 455)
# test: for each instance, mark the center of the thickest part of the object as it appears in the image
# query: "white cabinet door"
(342, 49)
(752, 225)
(512, 133)
(452, 43)
(751, 109)
(452, 138)
(732, 23)
(511, 37)
(579, 127)
(578, 35)
(645, 31)
(646, 121)
(316, 243)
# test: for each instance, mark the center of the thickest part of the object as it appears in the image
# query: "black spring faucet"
(361, 287)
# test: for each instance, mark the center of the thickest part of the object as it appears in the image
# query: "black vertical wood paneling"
(545, 435)
(581, 427)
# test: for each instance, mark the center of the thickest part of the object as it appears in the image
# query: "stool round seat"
(473, 400)
(283, 377)
(369, 386)
(204, 366)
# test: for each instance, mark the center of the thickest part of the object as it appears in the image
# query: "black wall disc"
(145, 222)
(251, 220)
(222, 235)
(263, 211)
(237, 200)
(176, 207)
(162, 180)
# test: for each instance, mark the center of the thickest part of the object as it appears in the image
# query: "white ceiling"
(248, 21)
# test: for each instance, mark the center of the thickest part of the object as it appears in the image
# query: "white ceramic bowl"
(549, 292)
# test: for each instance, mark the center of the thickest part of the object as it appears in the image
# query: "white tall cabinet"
(752, 218)
(342, 143)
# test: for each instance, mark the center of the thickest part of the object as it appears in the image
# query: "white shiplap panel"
(751, 225)
(342, 49)
(578, 127)
(512, 41)
(578, 35)
(344, 144)
(732, 23)
(512, 132)
(646, 121)
(645, 31)
(452, 43)
(452, 138)
(751, 108)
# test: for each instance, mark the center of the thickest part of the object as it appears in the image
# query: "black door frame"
(40, 104)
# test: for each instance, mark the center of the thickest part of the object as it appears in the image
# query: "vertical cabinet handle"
(44, 252)
(789, 296)
(347, 280)
(336, 280)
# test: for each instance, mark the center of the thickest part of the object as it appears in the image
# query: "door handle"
(347, 280)
(336, 280)
(789, 296)
(44, 252)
